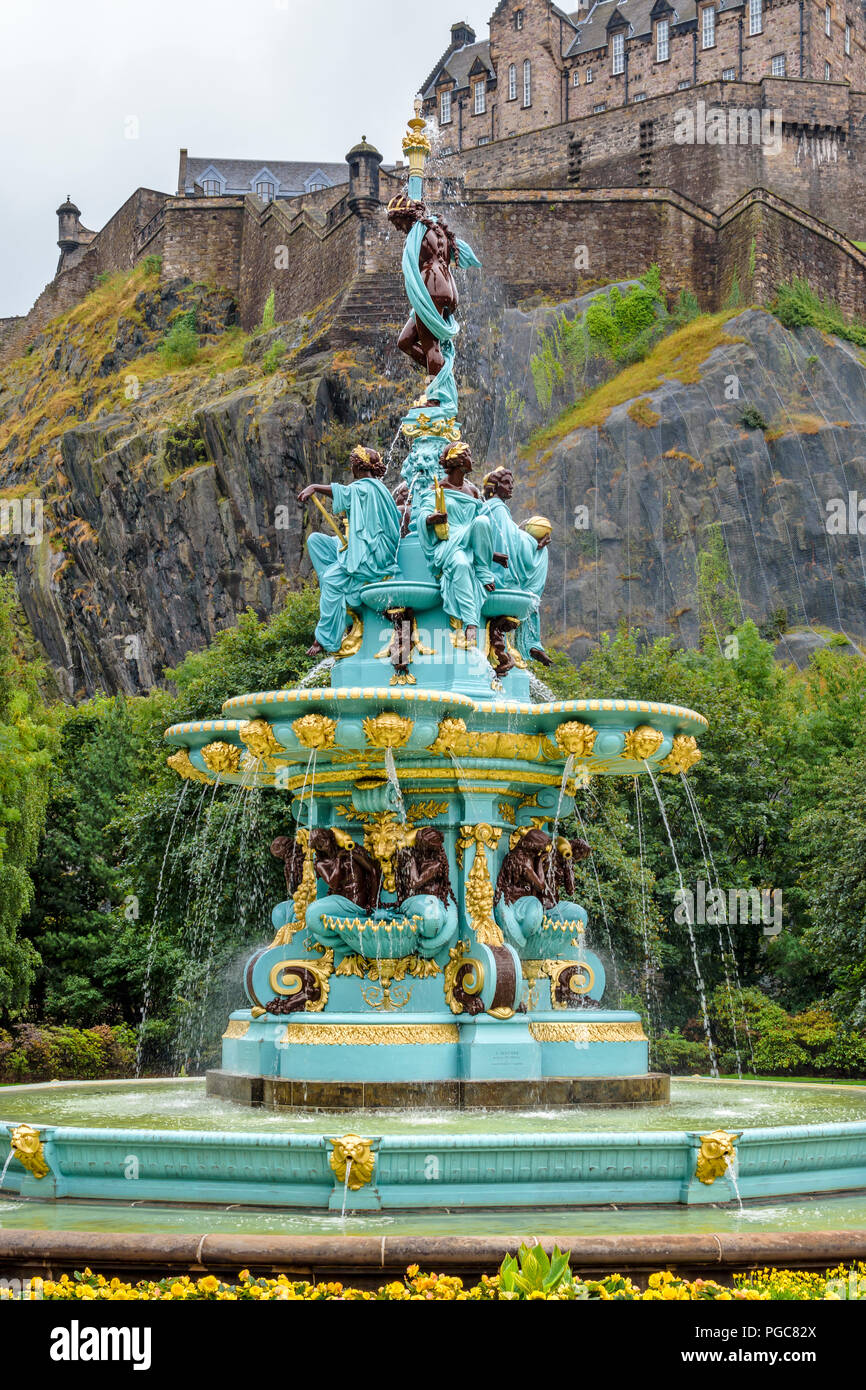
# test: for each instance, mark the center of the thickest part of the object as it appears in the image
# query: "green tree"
(26, 741)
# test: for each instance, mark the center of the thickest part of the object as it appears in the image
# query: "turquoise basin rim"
(401, 593)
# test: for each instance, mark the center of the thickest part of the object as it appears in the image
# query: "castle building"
(269, 181)
(542, 66)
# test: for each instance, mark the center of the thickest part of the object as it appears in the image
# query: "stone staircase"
(375, 300)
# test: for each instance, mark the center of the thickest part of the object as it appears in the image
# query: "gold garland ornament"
(27, 1148)
(716, 1154)
(315, 731)
(180, 763)
(478, 889)
(352, 1160)
(642, 742)
(683, 755)
(222, 757)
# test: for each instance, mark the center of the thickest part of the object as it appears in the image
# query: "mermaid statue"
(533, 873)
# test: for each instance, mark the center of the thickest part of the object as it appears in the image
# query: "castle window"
(575, 77)
(663, 40)
(589, 74)
(756, 16)
(848, 40)
(599, 107)
(266, 191)
(484, 140)
(527, 83)
(519, 16)
(826, 72)
(828, 21)
(445, 108)
(779, 65)
(729, 74)
(708, 27)
(618, 54)
(480, 97)
(639, 96)
(681, 86)
(512, 82)
(211, 188)
(314, 187)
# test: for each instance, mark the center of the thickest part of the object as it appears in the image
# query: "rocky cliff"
(169, 489)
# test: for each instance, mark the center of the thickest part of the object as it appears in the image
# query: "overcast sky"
(250, 79)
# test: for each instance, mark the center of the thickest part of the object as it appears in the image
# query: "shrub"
(269, 313)
(753, 419)
(273, 357)
(180, 346)
(679, 1055)
(798, 306)
(43, 1053)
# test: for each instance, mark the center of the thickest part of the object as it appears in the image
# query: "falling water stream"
(702, 993)
(161, 886)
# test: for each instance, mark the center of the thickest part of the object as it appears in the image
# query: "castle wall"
(531, 240)
(202, 239)
(817, 162)
(304, 260)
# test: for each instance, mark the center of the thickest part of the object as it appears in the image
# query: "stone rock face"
(657, 495)
(169, 515)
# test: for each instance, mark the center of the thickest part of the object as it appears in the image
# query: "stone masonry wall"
(303, 262)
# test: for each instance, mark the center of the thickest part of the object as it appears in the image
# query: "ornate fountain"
(429, 950)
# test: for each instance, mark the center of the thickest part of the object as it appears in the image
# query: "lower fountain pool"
(118, 1144)
(183, 1105)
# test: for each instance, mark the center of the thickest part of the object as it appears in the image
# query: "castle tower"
(461, 34)
(363, 161)
(68, 226)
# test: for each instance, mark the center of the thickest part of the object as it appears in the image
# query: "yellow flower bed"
(762, 1286)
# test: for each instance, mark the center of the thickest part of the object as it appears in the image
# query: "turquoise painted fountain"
(429, 949)
(428, 953)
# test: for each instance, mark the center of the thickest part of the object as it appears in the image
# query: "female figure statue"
(528, 558)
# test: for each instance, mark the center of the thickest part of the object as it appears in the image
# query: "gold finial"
(416, 145)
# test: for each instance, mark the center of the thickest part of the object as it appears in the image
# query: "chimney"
(461, 33)
(181, 174)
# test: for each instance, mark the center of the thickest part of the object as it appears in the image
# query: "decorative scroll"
(570, 980)
(464, 981)
(301, 985)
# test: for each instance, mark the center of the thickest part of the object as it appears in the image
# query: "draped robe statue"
(461, 561)
(369, 553)
(528, 558)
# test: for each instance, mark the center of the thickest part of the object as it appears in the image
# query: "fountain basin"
(473, 1160)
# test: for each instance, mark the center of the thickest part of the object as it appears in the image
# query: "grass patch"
(796, 423)
(798, 306)
(678, 357)
(643, 414)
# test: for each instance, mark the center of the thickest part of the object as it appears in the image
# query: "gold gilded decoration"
(588, 1032)
(351, 643)
(539, 527)
(478, 889)
(403, 678)
(238, 1027)
(537, 823)
(683, 755)
(470, 980)
(450, 730)
(352, 1160)
(576, 739)
(454, 738)
(422, 426)
(222, 757)
(416, 143)
(387, 730)
(371, 1034)
(580, 981)
(259, 738)
(315, 731)
(717, 1153)
(287, 978)
(179, 762)
(27, 1148)
(642, 742)
(385, 992)
(507, 812)
(384, 835)
(304, 894)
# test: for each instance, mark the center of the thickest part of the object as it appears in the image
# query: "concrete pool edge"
(370, 1260)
